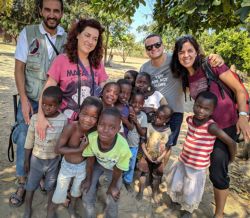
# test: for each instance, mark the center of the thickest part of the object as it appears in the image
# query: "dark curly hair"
(96, 55)
(177, 69)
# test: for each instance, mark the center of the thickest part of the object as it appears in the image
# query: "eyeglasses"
(150, 47)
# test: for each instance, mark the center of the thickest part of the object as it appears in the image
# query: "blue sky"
(143, 15)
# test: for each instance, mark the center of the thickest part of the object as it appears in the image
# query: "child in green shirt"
(112, 154)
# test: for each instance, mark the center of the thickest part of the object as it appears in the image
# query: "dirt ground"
(237, 204)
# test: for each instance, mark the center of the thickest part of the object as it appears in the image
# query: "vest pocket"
(33, 64)
(34, 87)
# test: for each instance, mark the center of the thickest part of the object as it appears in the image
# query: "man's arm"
(20, 84)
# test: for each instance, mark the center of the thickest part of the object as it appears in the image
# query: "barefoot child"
(108, 153)
(122, 103)
(186, 178)
(155, 151)
(131, 75)
(153, 99)
(139, 128)
(71, 144)
(110, 94)
(40, 158)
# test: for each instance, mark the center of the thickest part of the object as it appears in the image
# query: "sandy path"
(237, 206)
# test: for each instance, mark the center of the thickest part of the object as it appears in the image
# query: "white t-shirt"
(153, 101)
(22, 47)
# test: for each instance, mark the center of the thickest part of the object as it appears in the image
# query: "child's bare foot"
(139, 196)
(174, 205)
(156, 198)
(128, 187)
(27, 213)
(72, 212)
(186, 214)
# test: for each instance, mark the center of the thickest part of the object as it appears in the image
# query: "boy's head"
(89, 112)
(51, 100)
(131, 75)
(110, 93)
(143, 82)
(108, 125)
(204, 105)
(163, 115)
(137, 101)
(126, 89)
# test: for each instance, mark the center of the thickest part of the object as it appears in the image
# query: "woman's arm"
(42, 122)
(220, 134)
(242, 124)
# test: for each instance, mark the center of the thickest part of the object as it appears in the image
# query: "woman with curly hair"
(79, 72)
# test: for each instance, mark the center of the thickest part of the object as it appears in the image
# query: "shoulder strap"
(212, 77)
(53, 46)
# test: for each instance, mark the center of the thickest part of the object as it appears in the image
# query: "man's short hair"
(153, 35)
(41, 4)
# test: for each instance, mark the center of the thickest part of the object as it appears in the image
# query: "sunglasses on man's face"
(150, 47)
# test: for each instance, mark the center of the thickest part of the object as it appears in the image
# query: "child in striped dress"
(186, 178)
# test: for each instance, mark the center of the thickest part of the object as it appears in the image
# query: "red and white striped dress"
(198, 145)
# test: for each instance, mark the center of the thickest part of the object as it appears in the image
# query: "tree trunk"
(106, 45)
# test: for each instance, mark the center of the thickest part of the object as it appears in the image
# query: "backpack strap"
(210, 75)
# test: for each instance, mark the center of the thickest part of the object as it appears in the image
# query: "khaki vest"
(38, 61)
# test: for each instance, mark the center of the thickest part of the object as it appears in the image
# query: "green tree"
(232, 44)
(200, 15)
(17, 15)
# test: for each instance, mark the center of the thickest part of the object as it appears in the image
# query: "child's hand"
(150, 158)
(114, 192)
(158, 160)
(85, 185)
(27, 166)
(84, 143)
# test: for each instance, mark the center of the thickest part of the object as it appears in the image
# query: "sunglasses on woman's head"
(150, 47)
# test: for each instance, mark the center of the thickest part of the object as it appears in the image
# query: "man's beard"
(45, 21)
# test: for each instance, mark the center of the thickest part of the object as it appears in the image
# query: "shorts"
(68, 171)
(39, 168)
(146, 166)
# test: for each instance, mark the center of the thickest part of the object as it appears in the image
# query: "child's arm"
(112, 189)
(220, 134)
(27, 160)
(146, 152)
(89, 172)
(29, 144)
(127, 123)
(62, 144)
(141, 130)
(160, 158)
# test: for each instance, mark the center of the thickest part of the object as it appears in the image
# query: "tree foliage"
(200, 15)
(232, 44)
(16, 14)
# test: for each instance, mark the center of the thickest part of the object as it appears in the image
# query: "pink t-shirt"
(225, 114)
(65, 74)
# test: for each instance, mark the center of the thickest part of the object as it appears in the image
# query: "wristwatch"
(242, 113)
